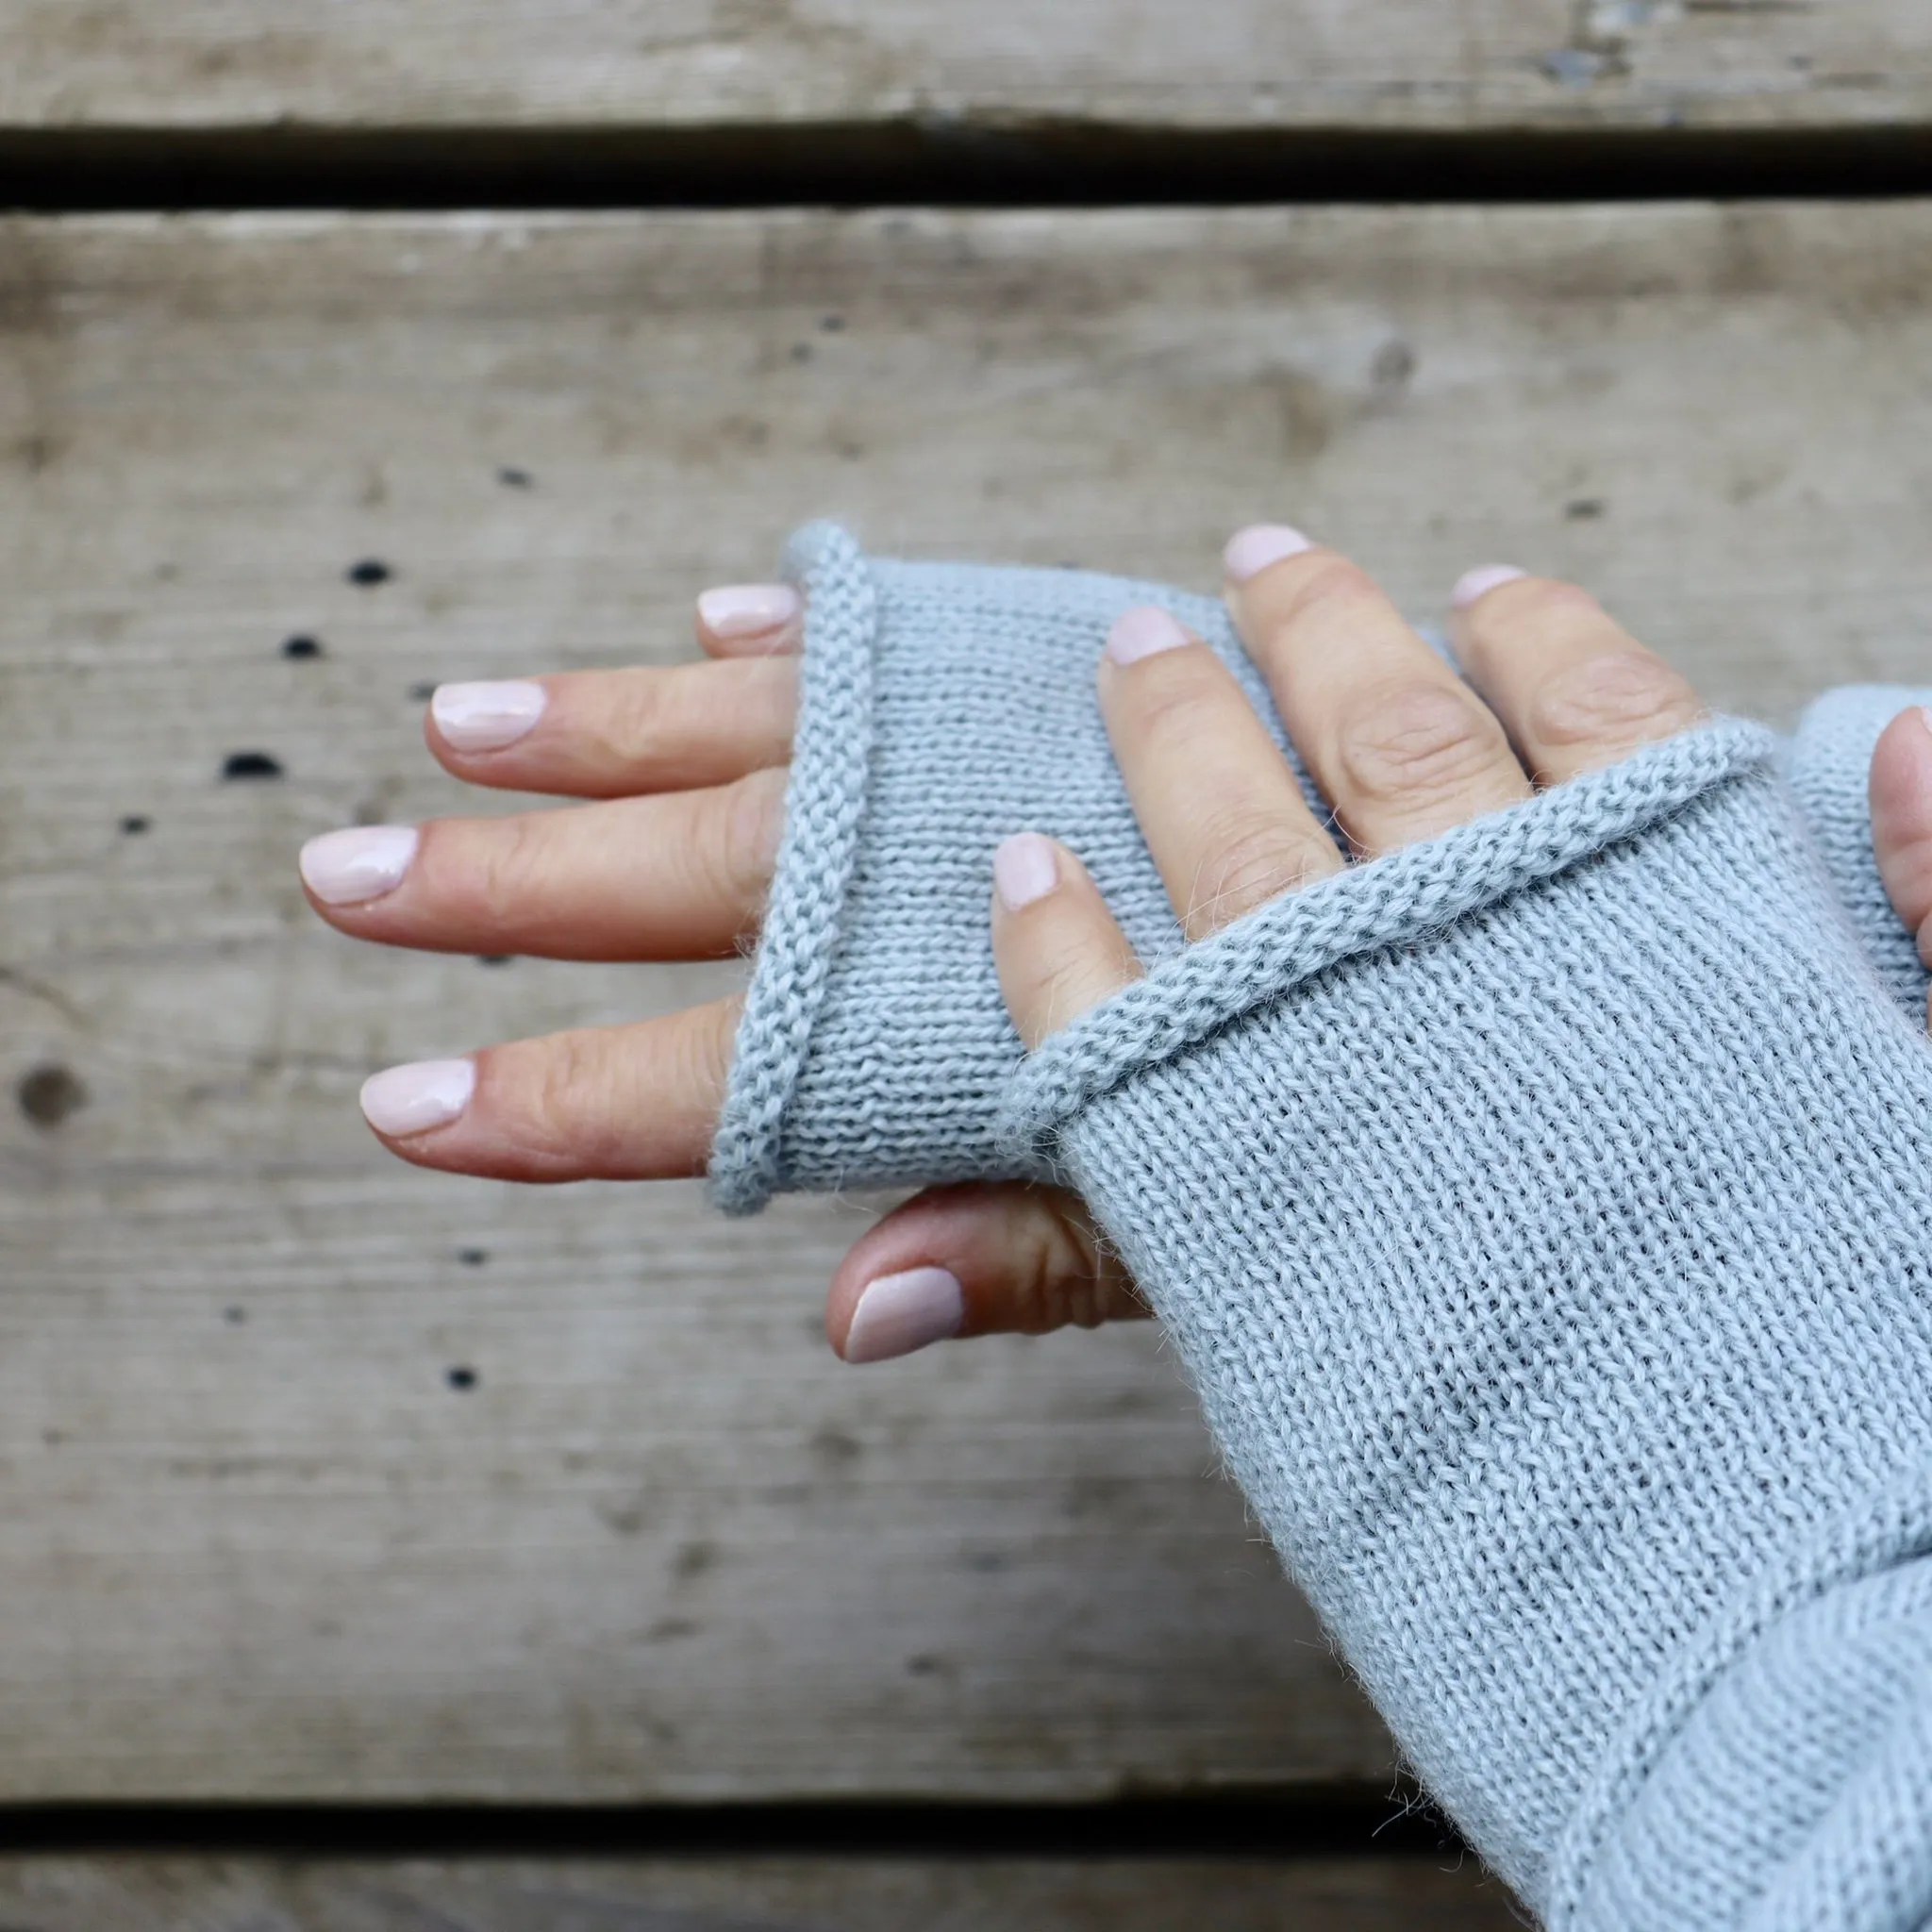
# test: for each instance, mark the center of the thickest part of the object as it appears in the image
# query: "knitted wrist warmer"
(944, 707)
(1543, 1213)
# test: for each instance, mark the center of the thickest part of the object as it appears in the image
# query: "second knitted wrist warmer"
(1542, 1213)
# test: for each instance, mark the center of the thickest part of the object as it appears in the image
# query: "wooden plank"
(256, 1544)
(752, 1896)
(1400, 64)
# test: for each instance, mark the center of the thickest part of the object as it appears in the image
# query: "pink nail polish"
(363, 862)
(899, 1313)
(1251, 551)
(744, 610)
(1481, 581)
(487, 717)
(1143, 632)
(1024, 868)
(412, 1099)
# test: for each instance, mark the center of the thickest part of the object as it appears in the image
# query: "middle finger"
(1400, 745)
(681, 876)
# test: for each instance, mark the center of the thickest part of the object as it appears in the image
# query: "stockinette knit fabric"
(945, 707)
(1543, 1214)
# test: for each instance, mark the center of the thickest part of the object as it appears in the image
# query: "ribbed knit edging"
(1401, 896)
(824, 800)
(1897, 1528)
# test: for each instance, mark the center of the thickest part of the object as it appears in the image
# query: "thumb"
(981, 1258)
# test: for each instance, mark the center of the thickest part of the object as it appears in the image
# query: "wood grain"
(1400, 64)
(753, 1895)
(257, 1544)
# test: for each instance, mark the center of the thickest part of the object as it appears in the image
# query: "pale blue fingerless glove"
(1544, 1213)
(945, 707)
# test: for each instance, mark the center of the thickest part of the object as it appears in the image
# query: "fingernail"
(1924, 712)
(414, 1098)
(485, 717)
(1481, 581)
(1143, 632)
(742, 610)
(899, 1313)
(1251, 551)
(1024, 868)
(363, 862)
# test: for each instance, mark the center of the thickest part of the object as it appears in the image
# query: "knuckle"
(1329, 579)
(1253, 861)
(508, 860)
(633, 725)
(750, 821)
(1613, 697)
(1178, 695)
(558, 1112)
(1060, 1281)
(1420, 743)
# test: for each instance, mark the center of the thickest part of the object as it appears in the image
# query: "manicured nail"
(1251, 551)
(742, 610)
(1481, 581)
(1024, 868)
(414, 1098)
(485, 717)
(899, 1313)
(363, 862)
(1141, 633)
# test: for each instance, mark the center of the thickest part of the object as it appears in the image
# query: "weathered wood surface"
(755, 1896)
(256, 1544)
(1250, 64)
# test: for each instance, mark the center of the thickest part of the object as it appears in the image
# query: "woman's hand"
(671, 855)
(1402, 747)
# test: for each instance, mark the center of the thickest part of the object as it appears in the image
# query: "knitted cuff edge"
(1895, 1529)
(824, 801)
(1381, 902)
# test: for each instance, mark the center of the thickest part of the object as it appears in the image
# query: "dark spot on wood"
(302, 647)
(369, 572)
(922, 1665)
(513, 478)
(801, 352)
(1586, 510)
(1070, 566)
(693, 1560)
(461, 1377)
(494, 958)
(250, 765)
(53, 1437)
(832, 323)
(48, 1094)
(136, 823)
(473, 1257)
(422, 694)
(987, 1562)
(835, 1448)
(234, 1317)
(1393, 366)
(669, 1629)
